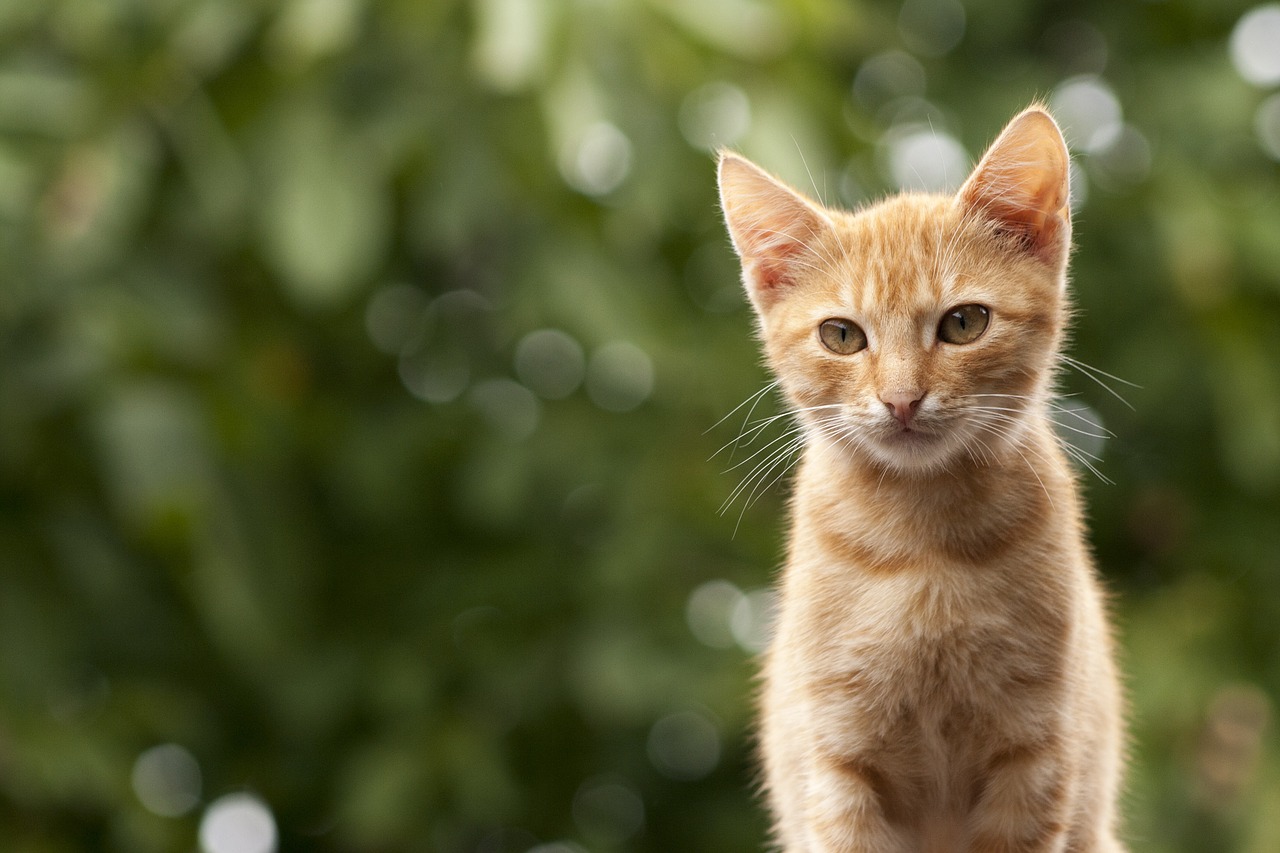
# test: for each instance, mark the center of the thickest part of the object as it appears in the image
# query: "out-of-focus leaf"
(325, 207)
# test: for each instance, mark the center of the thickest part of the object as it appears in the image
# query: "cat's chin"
(912, 451)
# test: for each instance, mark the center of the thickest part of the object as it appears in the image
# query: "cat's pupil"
(842, 337)
(964, 324)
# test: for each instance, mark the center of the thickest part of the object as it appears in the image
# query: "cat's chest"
(912, 618)
(940, 632)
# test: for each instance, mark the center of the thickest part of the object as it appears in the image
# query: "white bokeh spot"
(166, 780)
(598, 160)
(1089, 112)
(1255, 45)
(715, 115)
(926, 159)
(551, 363)
(1266, 124)
(684, 746)
(619, 376)
(238, 823)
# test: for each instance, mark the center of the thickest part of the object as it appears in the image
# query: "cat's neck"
(968, 507)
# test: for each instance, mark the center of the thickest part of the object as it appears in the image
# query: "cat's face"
(923, 328)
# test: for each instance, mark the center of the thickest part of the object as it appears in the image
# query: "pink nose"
(902, 404)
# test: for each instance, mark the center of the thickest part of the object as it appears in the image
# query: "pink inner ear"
(773, 270)
(772, 227)
(1033, 227)
(772, 259)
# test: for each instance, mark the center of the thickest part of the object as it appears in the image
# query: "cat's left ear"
(772, 226)
(1022, 185)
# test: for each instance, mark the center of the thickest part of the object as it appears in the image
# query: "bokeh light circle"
(238, 823)
(1255, 45)
(166, 780)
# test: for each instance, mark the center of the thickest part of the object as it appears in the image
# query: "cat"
(941, 674)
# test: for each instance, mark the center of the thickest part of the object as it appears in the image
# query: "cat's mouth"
(913, 443)
(911, 432)
(910, 440)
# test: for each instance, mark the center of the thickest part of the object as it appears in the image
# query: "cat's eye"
(964, 324)
(842, 337)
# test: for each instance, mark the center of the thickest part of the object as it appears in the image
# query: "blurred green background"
(362, 361)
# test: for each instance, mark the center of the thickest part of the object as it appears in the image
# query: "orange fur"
(941, 674)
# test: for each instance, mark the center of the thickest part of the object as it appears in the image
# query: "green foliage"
(294, 476)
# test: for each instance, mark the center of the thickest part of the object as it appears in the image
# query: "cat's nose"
(902, 404)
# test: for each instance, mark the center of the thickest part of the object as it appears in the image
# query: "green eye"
(964, 324)
(842, 337)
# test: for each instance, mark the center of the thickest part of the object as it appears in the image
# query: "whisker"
(1083, 458)
(767, 449)
(779, 457)
(1095, 374)
(754, 400)
(999, 426)
(808, 171)
(1105, 434)
(747, 437)
(1085, 366)
(995, 430)
(766, 465)
(756, 428)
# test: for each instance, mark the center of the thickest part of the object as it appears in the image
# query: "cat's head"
(922, 327)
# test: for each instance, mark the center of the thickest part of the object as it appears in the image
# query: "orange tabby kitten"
(941, 676)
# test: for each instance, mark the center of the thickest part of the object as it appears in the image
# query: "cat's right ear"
(772, 226)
